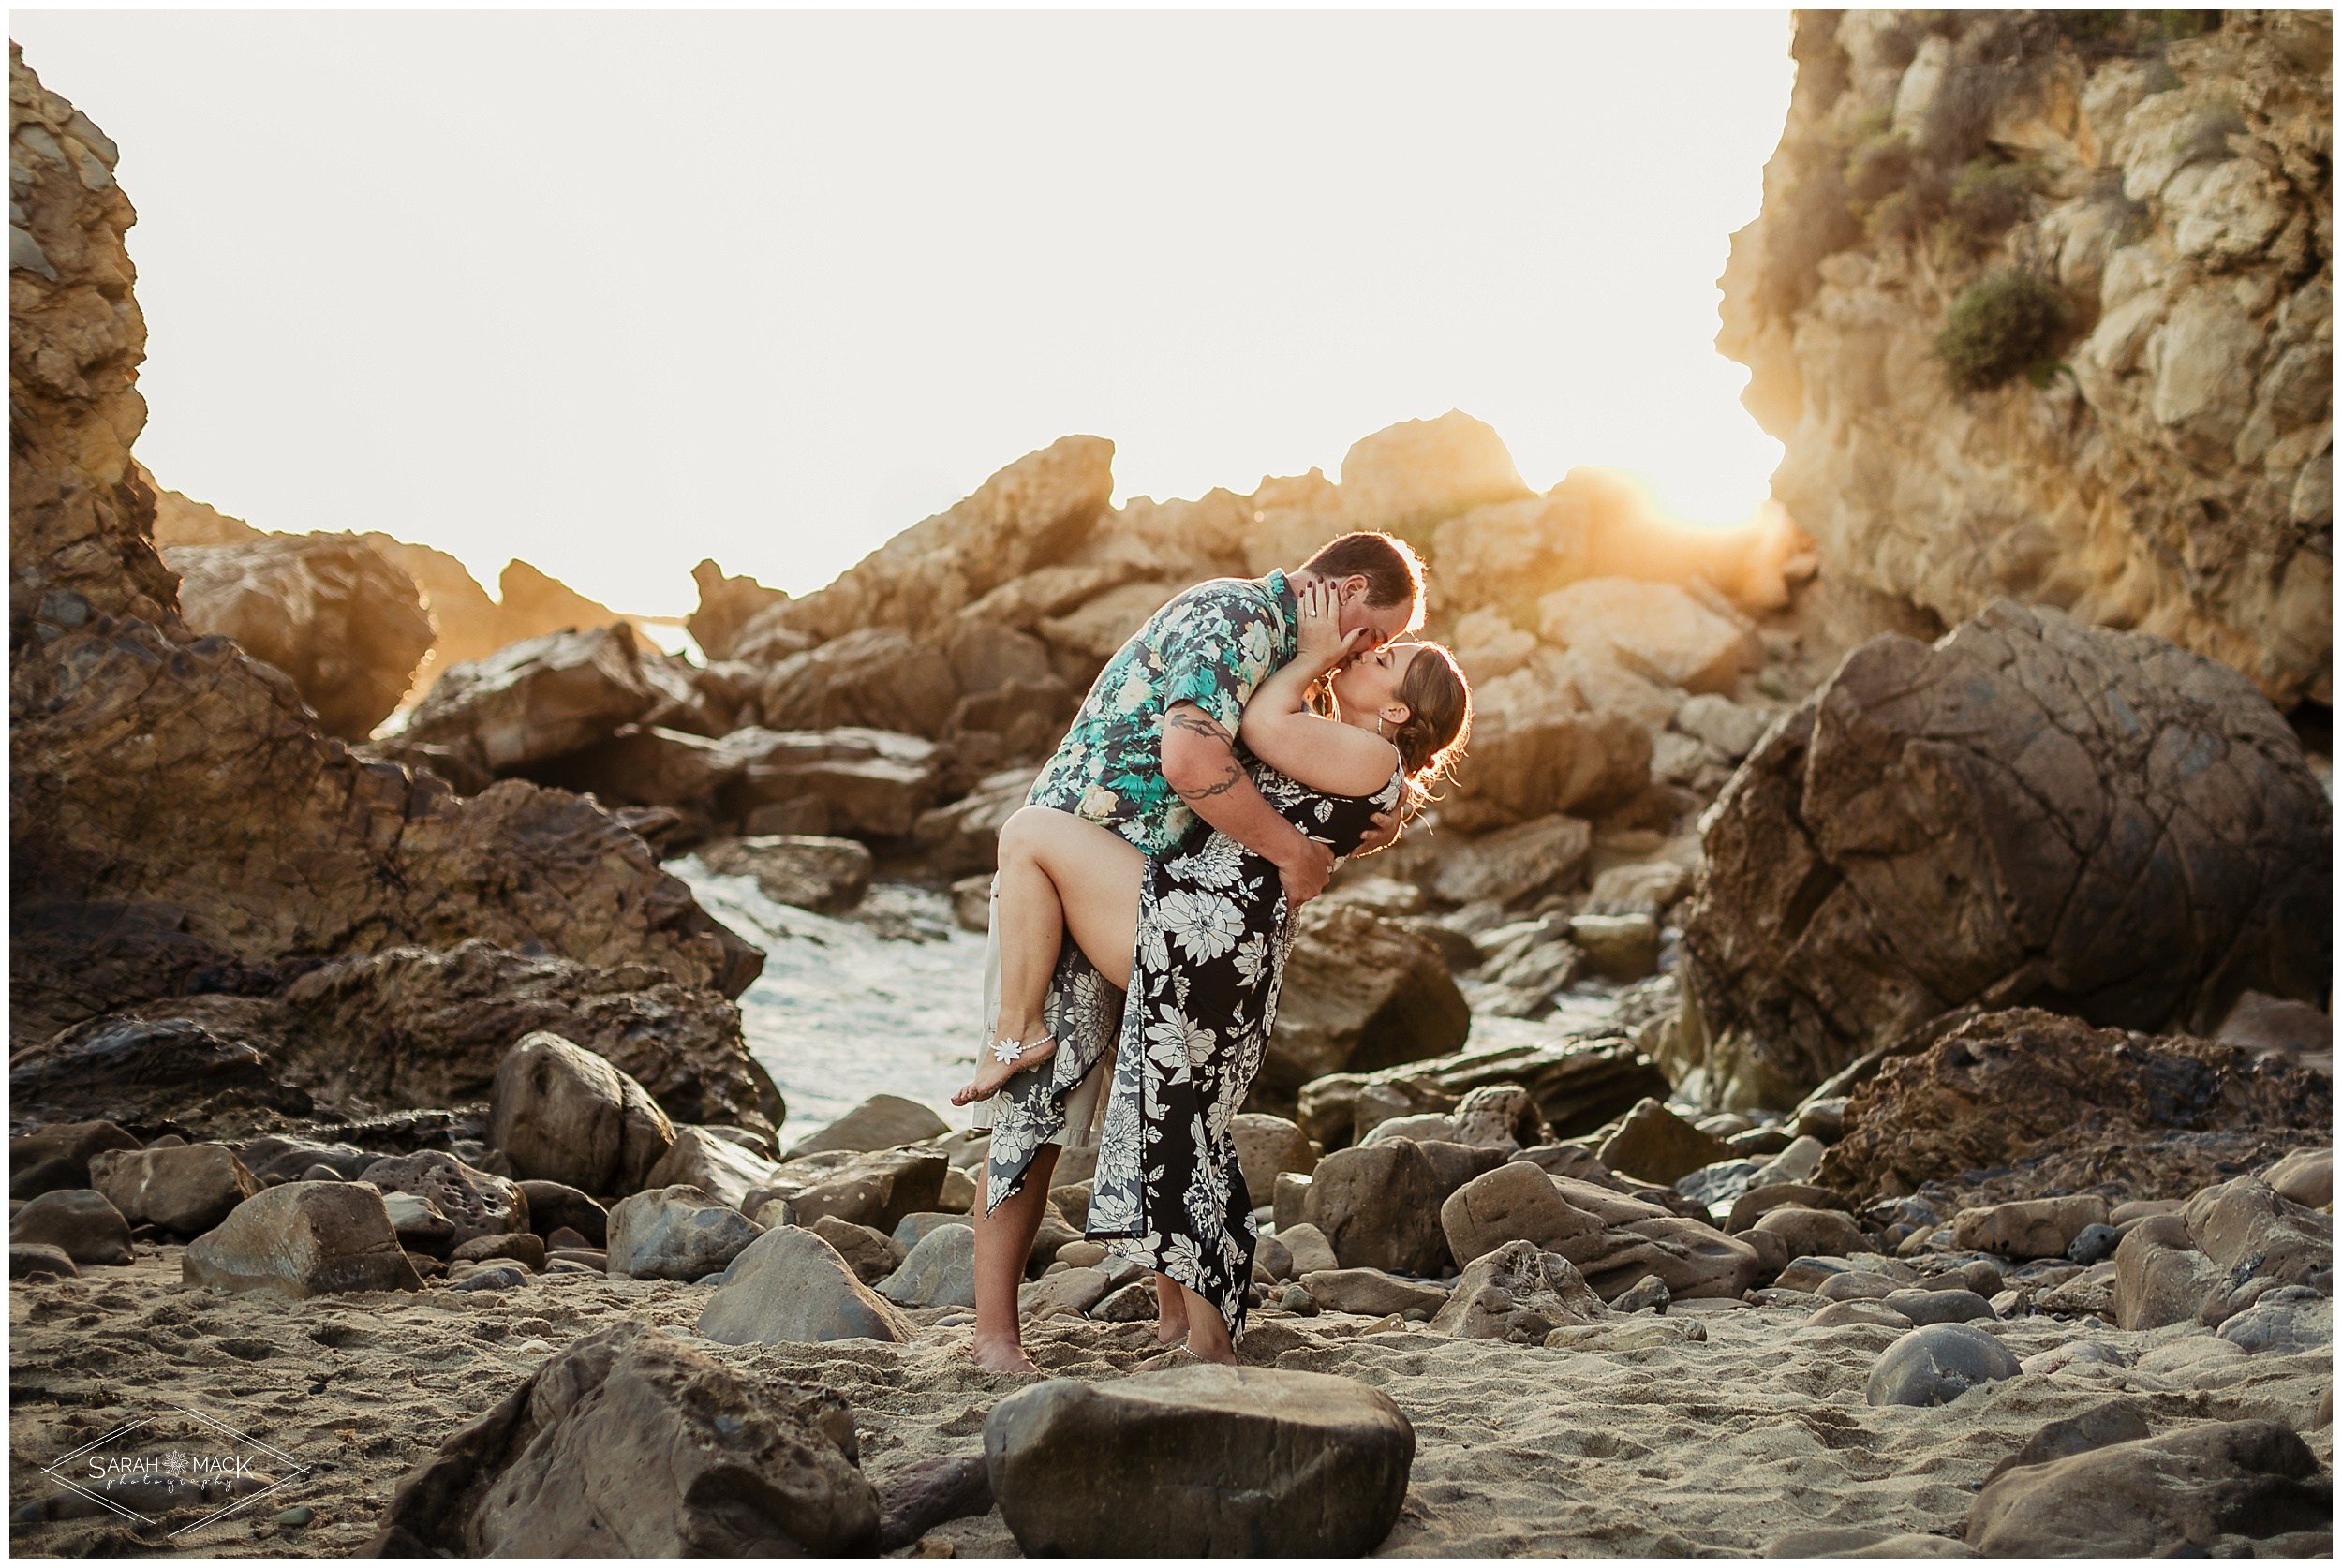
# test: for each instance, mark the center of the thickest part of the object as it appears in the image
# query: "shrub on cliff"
(1999, 326)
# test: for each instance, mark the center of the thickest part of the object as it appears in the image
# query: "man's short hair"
(1393, 571)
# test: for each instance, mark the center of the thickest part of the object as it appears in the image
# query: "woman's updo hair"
(1439, 717)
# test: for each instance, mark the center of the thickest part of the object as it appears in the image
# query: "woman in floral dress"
(1196, 937)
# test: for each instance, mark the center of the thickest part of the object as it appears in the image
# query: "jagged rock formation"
(2029, 810)
(464, 623)
(344, 622)
(2142, 224)
(177, 823)
(2012, 1087)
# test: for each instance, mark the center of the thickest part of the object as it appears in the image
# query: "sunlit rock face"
(178, 821)
(2160, 458)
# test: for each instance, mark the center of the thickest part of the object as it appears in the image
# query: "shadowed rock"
(2012, 1086)
(630, 1444)
(2248, 1478)
(1200, 1461)
(2028, 809)
(328, 609)
(302, 1239)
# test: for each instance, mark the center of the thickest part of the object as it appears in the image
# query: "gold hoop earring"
(1379, 722)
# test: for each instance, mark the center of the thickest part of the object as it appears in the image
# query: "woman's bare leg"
(1058, 874)
(1005, 1241)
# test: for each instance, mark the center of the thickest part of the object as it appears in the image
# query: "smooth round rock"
(1200, 1461)
(1935, 1365)
(1926, 1307)
(2096, 1244)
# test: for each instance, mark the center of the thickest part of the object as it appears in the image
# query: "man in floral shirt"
(1151, 749)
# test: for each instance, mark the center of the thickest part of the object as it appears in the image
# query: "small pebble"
(295, 1518)
(1298, 1301)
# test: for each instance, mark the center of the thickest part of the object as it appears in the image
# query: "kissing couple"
(1144, 902)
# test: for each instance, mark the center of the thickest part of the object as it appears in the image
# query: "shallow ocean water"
(844, 1011)
(885, 1000)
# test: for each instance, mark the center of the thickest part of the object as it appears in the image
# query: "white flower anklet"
(1005, 1051)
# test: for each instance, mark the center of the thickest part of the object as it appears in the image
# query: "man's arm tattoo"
(1196, 721)
(1220, 786)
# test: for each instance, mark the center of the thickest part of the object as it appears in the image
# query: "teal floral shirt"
(1212, 645)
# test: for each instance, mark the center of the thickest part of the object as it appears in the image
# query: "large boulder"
(301, 1239)
(2159, 1277)
(1408, 478)
(1688, 637)
(1540, 856)
(1379, 1205)
(1202, 1461)
(877, 1187)
(87, 1228)
(2250, 1232)
(882, 1121)
(714, 1164)
(184, 1190)
(941, 1271)
(1612, 1238)
(791, 1287)
(1579, 1084)
(1958, 825)
(2007, 1087)
(867, 783)
(2190, 1488)
(433, 1027)
(1267, 1146)
(560, 1113)
(537, 699)
(727, 606)
(1517, 1292)
(1360, 993)
(1533, 755)
(828, 876)
(631, 1444)
(347, 625)
(480, 1202)
(56, 1158)
(1031, 514)
(876, 677)
(675, 1233)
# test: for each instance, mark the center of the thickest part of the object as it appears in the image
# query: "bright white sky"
(612, 291)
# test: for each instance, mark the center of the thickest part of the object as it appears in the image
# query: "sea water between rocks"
(880, 1001)
(884, 1000)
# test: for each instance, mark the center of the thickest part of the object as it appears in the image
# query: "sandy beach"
(1714, 1447)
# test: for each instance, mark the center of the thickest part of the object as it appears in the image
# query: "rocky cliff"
(178, 824)
(2040, 303)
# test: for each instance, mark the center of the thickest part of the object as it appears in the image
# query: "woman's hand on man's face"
(1322, 642)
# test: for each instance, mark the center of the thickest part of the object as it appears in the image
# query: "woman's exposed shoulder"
(1345, 760)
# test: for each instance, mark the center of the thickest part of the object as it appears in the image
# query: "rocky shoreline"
(1825, 1079)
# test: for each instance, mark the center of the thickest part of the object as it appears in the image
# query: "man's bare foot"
(996, 1355)
(991, 1072)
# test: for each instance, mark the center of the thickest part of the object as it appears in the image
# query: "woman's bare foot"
(1170, 1311)
(992, 1071)
(1003, 1355)
(1209, 1341)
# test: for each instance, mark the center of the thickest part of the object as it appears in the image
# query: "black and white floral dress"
(1213, 934)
